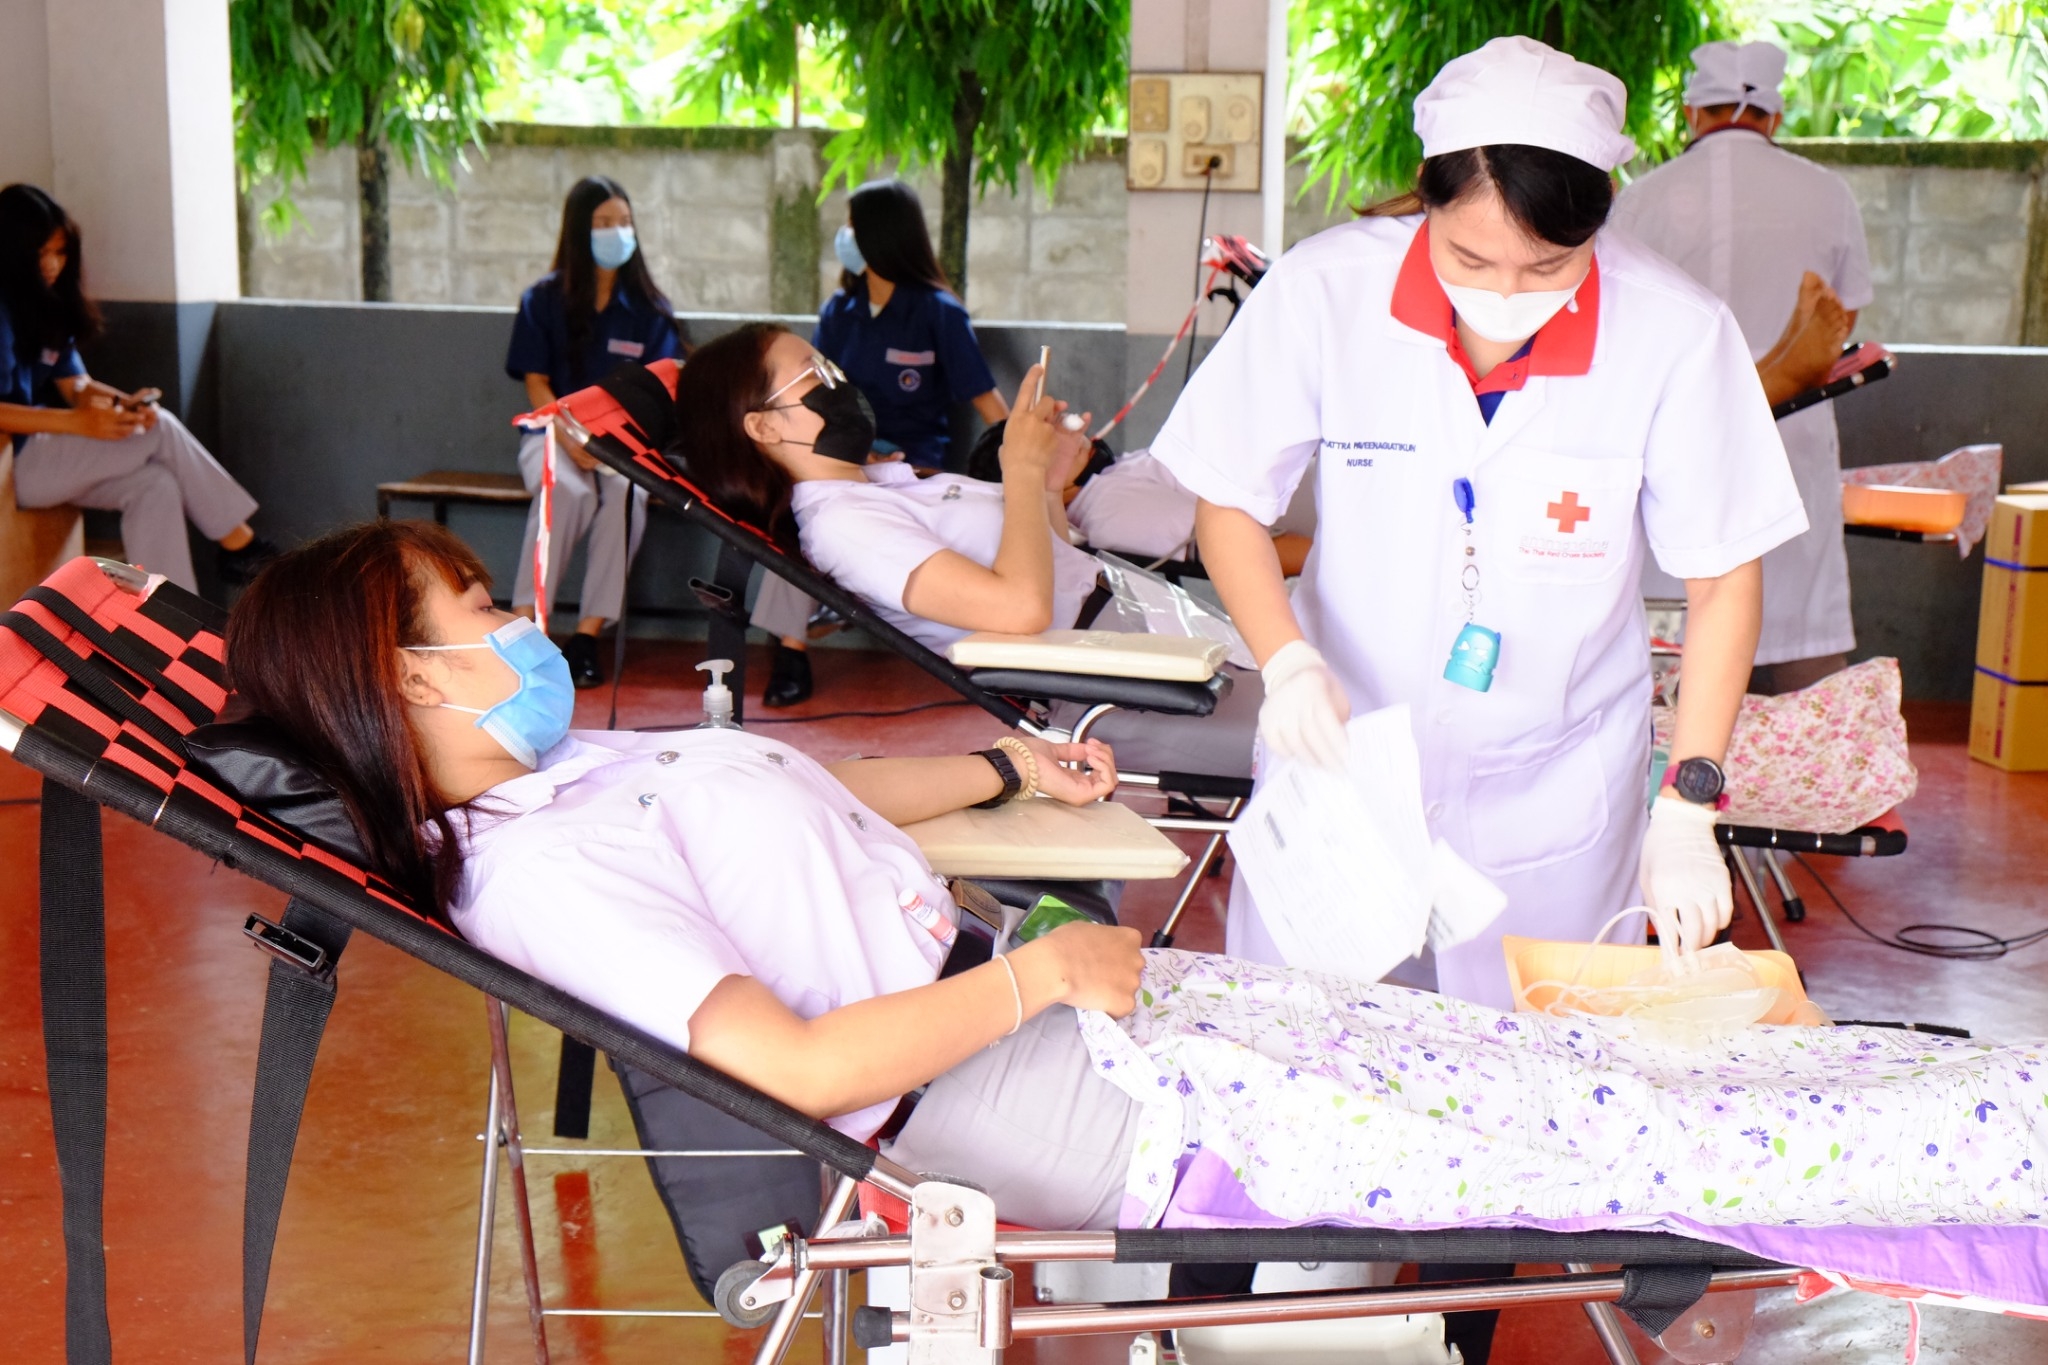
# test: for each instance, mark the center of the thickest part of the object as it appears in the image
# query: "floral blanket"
(1286, 1097)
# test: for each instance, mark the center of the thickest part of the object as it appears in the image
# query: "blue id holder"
(1477, 649)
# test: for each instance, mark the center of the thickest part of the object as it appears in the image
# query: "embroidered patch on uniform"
(909, 380)
(620, 346)
(1568, 512)
(892, 356)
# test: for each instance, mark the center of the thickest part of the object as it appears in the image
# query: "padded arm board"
(1101, 653)
(1132, 694)
(1047, 838)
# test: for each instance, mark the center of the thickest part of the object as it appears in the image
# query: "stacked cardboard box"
(2009, 703)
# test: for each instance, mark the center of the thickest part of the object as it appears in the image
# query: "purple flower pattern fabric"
(1333, 1101)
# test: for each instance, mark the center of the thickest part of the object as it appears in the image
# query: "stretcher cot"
(104, 674)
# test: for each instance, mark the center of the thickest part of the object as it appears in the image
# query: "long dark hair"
(1552, 196)
(44, 315)
(888, 226)
(576, 269)
(725, 380)
(313, 644)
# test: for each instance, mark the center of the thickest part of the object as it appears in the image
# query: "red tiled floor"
(374, 1254)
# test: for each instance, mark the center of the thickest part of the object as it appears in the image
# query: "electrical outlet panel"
(1195, 127)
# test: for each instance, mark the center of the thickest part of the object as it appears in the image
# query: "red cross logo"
(1567, 513)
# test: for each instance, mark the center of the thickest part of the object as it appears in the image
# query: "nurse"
(903, 338)
(596, 309)
(1759, 226)
(1510, 408)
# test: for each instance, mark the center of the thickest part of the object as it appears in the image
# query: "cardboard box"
(2009, 724)
(2012, 613)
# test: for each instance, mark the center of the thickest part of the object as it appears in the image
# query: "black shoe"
(238, 568)
(789, 678)
(584, 670)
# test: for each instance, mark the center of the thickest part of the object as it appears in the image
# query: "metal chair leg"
(1164, 938)
(1606, 1325)
(1795, 907)
(781, 1333)
(522, 1207)
(487, 1211)
(1746, 875)
(838, 1316)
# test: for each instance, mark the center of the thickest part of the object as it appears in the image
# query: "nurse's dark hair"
(726, 379)
(314, 644)
(43, 315)
(888, 226)
(576, 268)
(1552, 196)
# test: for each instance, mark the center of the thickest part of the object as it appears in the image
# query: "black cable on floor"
(753, 721)
(21, 801)
(1976, 945)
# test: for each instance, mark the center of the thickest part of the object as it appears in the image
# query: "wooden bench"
(445, 486)
(32, 543)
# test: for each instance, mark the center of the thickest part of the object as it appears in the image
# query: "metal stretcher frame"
(99, 684)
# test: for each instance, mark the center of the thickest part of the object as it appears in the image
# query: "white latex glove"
(1305, 708)
(1685, 881)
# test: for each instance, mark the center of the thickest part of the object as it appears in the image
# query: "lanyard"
(1477, 649)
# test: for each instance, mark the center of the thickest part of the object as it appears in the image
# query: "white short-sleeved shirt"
(1746, 218)
(871, 536)
(638, 871)
(1135, 507)
(1647, 432)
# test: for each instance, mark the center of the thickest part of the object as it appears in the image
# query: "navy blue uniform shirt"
(629, 328)
(914, 360)
(29, 373)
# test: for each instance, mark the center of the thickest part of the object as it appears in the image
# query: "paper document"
(1342, 865)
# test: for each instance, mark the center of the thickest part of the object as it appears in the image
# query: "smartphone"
(1044, 365)
(142, 398)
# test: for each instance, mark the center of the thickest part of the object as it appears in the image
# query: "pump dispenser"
(717, 697)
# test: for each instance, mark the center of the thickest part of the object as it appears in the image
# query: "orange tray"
(1612, 964)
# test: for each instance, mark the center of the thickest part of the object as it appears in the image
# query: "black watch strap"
(1013, 782)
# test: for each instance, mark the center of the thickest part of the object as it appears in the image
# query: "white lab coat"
(1540, 782)
(1746, 219)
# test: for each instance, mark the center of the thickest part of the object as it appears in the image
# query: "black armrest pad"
(1096, 899)
(1132, 694)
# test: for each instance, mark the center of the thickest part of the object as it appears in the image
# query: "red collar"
(1564, 345)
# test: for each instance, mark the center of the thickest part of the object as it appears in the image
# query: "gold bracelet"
(1027, 765)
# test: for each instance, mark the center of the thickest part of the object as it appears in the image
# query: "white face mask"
(1506, 317)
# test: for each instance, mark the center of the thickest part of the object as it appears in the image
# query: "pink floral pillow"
(1827, 760)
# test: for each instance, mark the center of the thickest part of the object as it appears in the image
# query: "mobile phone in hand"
(140, 399)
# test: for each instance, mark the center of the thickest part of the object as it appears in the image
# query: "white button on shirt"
(871, 536)
(638, 871)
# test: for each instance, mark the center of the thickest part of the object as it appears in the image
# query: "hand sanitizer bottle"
(717, 697)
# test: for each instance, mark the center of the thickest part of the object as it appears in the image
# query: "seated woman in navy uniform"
(597, 308)
(901, 335)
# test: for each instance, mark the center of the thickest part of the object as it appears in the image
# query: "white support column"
(1166, 225)
(142, 143)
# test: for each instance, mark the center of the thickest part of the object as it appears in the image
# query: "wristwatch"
(1698, 780)
(1013, 782)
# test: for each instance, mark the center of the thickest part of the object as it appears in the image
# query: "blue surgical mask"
(847, 249)
(535, 717)
(612, 247)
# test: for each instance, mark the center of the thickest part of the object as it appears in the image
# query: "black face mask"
(849, 431)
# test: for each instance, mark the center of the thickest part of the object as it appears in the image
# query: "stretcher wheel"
(738, 1278)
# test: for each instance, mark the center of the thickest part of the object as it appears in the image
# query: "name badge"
(631, 349)
(49, 357)
(892, 356)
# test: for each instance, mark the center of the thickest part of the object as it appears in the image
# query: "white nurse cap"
(1737, 73)
(1517, 90)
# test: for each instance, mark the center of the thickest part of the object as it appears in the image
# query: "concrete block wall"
(704, 201)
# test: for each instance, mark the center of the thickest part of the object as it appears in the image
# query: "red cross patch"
(1567, 513)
